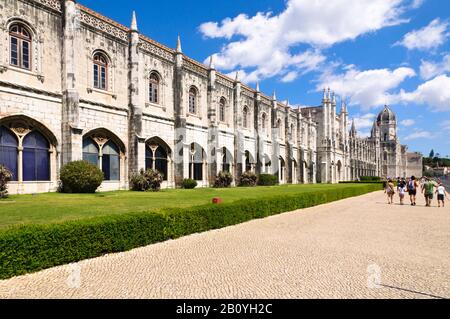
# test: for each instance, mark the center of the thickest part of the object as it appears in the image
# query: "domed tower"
(387, 123)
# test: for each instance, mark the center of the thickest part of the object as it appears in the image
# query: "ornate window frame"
(36, 54)
(161, 90)
(223, 109)
(110, 87)
(196, 102)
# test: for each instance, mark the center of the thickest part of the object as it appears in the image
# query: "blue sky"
(371, 52)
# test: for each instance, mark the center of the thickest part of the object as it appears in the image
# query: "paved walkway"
(337, 250)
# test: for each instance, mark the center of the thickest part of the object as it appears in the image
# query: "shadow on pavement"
(414, 292)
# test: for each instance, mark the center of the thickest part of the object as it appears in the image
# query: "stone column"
(71, 148)
(182, 148)
(136, 140)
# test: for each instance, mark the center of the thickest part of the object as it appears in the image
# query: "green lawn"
(55, 207)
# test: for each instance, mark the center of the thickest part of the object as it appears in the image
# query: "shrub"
(146, 180)
(370, 179)
(31, 248)
(5, 178)
(223, 180)
(248, 179)
(80, 177)
(267, 180)
(189, 184)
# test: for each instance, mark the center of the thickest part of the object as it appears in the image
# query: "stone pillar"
(136, 141)
(182, 149)
(71, 148)
(213, 130)
(238, 134)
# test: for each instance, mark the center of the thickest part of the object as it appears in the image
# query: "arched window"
(385, 156)
(90, 151)
(222, 106)
(36, 158)
(193, 100)
(196, 162)
(385, 137)
(154, 88)
(245, 117)
(156, 158)
(20, 42)
(282, 169)
(8, 151)
(248, 162)
(280, 128)
(100, 71)
(226, 160)
(106, 156)
(263, 121)
(111, 162)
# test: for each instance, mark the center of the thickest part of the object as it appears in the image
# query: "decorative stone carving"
(102, 25)
(192, 66)
(20, 128)
(156, 50)
(53, 4)
(100, 139)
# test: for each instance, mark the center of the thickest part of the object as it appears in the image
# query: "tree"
(432, 154)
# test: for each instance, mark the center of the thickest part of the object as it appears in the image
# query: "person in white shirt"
(441, 193)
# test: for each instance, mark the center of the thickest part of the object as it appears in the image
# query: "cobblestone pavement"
(337, 250)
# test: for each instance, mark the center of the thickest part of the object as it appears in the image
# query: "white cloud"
(408, 122)
(446, 125)
(434, 93)
(267, 44)
(369, 88)
(417, 3)
(419, 134)
(430, 37)
(364, 122)
(429, 69)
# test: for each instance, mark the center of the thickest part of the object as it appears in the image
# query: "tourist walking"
(441, 194)
(412, 190)
(428, 190)
(401, 188)
(390, 191)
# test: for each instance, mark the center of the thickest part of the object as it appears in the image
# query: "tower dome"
(387, 115)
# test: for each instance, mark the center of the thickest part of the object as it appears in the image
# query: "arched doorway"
(8, 151)
(197, 162)
(282, 171)
(227, 160)
(157, 156)
(105, 150)
(29, 150)
(339, 171)
(267, 164)
(294, 171)
(249, 162)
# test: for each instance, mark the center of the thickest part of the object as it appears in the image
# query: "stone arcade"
(77, 85)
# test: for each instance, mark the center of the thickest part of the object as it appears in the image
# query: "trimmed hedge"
(189, 183)
(363, 182)
(267, 180)
(35, 247)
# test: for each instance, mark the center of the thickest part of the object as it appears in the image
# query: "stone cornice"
(225, 81)
(30, 89)
(102, 23)
(150, 46)
(51, 4)
(194, 66)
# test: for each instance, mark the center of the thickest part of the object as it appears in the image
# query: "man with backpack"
(412, 190)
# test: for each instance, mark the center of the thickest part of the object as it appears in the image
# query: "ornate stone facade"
(157, 108)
